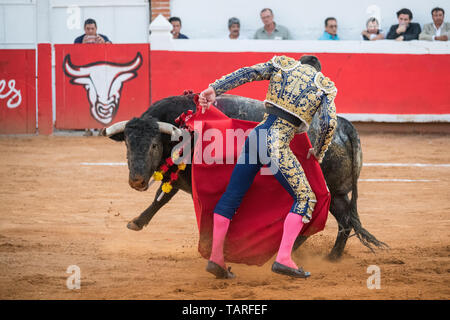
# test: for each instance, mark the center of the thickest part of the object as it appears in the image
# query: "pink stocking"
(292, 226)
(219, 233)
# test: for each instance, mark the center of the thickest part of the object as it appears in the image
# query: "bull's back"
(241, 108)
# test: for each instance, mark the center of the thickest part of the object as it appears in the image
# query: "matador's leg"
(290, 174)
(241, 179)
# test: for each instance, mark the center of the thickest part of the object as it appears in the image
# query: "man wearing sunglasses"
(330, 32)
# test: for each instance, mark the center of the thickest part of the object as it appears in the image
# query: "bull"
(148, 141)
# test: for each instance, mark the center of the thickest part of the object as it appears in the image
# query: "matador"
(297, 91)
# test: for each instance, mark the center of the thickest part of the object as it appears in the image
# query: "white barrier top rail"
(313, 46)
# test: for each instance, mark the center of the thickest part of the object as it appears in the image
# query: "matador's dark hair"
(312, 61)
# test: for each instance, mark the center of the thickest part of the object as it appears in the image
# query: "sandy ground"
(55, 213)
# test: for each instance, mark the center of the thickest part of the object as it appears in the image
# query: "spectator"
(176, 27)
(405, 30)
(438, 30)
(234, 26)
(271, 30)
(330, 32)
(90, 34)
(373, 31)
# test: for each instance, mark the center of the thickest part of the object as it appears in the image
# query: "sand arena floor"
(56, 212)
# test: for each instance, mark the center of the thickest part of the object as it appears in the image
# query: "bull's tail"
(366, 238)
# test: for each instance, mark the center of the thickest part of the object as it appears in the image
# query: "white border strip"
(396, 118)
(368, 164)
(114, 164)
(374, 164)
(396, 180)
(303, 46)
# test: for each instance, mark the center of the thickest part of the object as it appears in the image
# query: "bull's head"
(145, 140)
(103, 82)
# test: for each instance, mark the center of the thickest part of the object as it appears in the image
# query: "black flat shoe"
(218, 271)
(285, 270)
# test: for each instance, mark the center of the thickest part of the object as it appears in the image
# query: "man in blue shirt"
(330, 32)
(90, 35)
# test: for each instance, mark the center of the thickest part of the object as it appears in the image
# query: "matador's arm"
(327, 116)
(260, 71)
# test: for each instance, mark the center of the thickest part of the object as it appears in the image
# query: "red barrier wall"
(97, 85)
(100, 84)
(17, 91)
(45, 107)
(367, 83)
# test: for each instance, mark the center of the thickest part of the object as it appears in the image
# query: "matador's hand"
(311, 151)
(206, 98)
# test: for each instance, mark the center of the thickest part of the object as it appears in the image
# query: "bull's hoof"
(132, 225)
(334, 256)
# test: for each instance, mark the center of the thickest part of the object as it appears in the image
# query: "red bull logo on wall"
(103, 82)
(95, 88)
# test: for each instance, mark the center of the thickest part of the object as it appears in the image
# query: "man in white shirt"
(438, 30)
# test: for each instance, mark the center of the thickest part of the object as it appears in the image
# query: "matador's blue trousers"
(277, 134)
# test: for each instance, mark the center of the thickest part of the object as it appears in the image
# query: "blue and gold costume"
(300, 91)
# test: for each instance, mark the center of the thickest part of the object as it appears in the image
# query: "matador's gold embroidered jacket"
(294, 87)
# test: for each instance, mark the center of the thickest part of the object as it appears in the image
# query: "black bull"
(147, 149)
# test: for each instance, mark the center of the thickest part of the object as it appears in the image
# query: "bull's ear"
(118, 137)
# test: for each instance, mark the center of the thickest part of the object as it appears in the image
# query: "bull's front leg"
(144, 218)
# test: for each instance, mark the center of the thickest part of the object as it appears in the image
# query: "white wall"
(24, 23)
(18, 23)
(305, 19)
(120, 20)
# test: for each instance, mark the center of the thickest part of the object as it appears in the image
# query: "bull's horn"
(72, 69)
(133, 64)
(168, 128)
(115, 128)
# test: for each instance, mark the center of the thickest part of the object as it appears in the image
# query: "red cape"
(255, 232)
